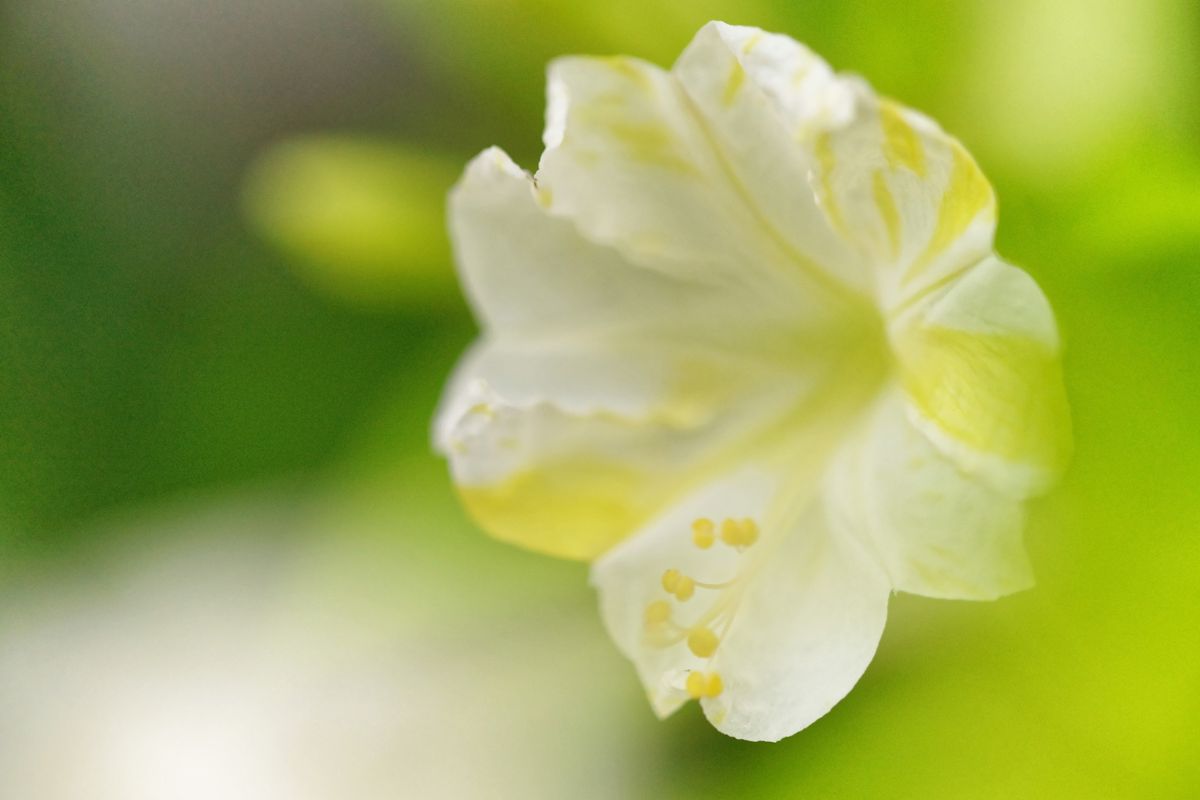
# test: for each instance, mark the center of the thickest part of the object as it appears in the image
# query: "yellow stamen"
(701, 685)
(749, 532)
(670, 580)
(739, 533)
(676, 583)
(731, 532)
(703, 533)
(702, 642)
(657, 613)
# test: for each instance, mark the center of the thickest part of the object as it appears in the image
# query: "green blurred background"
(227, 308)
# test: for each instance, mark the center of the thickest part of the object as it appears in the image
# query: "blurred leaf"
(1147, 208)
(1065, 88)
(363, 219)
(492, 54)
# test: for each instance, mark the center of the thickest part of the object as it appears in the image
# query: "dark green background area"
(159, 338)
(149, 343)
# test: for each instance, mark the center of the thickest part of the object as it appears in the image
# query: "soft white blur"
(239, 653)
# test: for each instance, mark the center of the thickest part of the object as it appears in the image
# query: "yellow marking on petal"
(702, 642)
(630, 69)
(650, 241)
(696, 387)
(888, 212)
(901, 145)
(854, 298)
(700, 684)
(823, 148)
(998, 394)
(967, 195)
(737, 76)
(575, 509)
(612, 116)
(650, 142)
(484, 410)
(752, 42)
(703, 533)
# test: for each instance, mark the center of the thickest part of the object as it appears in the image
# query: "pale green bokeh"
(361, 218)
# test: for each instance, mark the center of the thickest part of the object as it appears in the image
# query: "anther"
(739, 533)
(657, 613)
(749, 532)
(670, 580)
(703, 533)
(676, 583)
(702, 642)
(700, 684)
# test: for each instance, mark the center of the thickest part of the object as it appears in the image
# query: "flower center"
(699, 613)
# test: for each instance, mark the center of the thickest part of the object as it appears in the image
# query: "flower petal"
(758, 95)
(572, 481)
(905, 194)
(804, 609)
(980, 364)
(599, 387)
(561, 484)
(530, 275)
(938, 532)
(813, 620)
(632, 162)
(533, 277)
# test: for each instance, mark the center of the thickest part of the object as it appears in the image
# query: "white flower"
(747, 345)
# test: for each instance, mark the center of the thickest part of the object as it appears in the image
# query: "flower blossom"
(746, 346)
